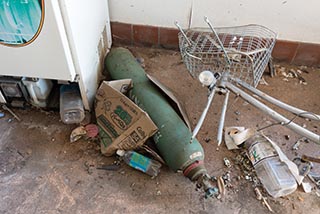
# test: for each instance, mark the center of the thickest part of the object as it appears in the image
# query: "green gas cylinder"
(173, 139)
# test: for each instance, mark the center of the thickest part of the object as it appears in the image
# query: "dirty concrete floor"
(42, 172)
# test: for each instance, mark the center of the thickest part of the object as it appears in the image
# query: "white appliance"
(69, 42)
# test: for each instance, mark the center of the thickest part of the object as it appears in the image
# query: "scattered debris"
(300, 198)
(228, 139)
(113, 167)
(4, 107)
(92, 130)
(292, 73)
(140, 162)
(265, 202)
(263, 199)
(298, 143)
(77, 134)
(263, 82)
(243, 161)
(280, 70)
(227, 179)
(207, 139)
(258, 193)
(287, 137)
(302, 80)
(304, 68)
(235, 136)
(284, 74)
(221, 186)
(294, 206)
(315, 178)
(212, 192)
(206, 182)
(89, 167)
(307, 188)
(304, 167)
(227, 162)
(285, 79)
(310, 159)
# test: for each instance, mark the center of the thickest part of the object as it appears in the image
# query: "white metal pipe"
(222, 118)
(203, 115)
(182, 32)
(275, 115)
(294, 110)
(206, 19)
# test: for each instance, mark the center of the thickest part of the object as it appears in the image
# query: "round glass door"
(20, 21)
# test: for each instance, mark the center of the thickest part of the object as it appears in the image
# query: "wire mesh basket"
(243, 51)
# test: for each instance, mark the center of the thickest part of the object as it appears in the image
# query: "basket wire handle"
(206, 19)
(182, 32)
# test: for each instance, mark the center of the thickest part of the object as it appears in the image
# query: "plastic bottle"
(274, 175)
(39, 90)
(71, 106)
(140, 162)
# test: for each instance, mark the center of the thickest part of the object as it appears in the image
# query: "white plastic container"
(274, 175)
(71, 106)
(39, 90)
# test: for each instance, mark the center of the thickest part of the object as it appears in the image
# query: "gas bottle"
(173, 139)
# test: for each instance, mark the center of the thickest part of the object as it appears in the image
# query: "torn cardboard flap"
(179, 107)
(122, 124)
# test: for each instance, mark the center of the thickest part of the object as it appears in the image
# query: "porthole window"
(20, 21)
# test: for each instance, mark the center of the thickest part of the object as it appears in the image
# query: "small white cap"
(120, 152)
(206, 78)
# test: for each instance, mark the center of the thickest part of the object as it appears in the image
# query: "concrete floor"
(42, 172)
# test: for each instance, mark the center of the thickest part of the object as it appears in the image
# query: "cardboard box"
(122, 124)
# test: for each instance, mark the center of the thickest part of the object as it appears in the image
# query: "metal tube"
(206, 19)
(203, 115)
(222, 118)
(275, 115)
(182, 32)
(294, 110)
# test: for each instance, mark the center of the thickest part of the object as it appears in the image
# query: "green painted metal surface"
(173, 137)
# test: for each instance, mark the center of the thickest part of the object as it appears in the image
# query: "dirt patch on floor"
(42, 172)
